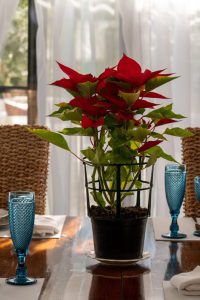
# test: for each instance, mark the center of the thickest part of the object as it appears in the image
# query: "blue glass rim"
(22, 200)
(175, 171)
(171, 168)
(22, 192)
(197, 179)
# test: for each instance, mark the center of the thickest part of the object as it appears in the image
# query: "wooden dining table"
(70, 270)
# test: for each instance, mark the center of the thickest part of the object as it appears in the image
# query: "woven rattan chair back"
(23, 164)
(191, 158)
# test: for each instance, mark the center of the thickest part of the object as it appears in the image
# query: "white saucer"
(120, 262)
(3, 213)
(3, 217)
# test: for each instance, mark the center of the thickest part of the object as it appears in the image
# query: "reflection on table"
(70, 272)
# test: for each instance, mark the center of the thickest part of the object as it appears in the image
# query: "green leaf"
(138, 184)
(98, 198)
(87, 89)
(109, 172)
(135, 145)
(157, 152)
(157, 81)
(125, 173)
(123, 155)
(176, 131)
(140, 111)
(139, 134)
(130, 98)
(67, 114)
(63, 105)
(127, 194)
(52, 137)
(77, 131)
(157, 135)
(110, 121)
(99, 157)
(152, 159)
(72, 115)
(164, 112)
(88, 153)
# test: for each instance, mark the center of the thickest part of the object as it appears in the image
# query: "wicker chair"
(191, 158)
(23, 164)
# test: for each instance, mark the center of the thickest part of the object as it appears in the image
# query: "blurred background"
(89, 36)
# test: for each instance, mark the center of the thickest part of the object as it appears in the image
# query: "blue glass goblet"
(197, 194)
(175, 178)
(21, 211)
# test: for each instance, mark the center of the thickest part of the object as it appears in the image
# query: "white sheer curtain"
(166, 34)
(83, 35)
(90, 35)
(7, 11)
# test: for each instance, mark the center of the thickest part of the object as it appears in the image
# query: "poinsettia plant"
(122, 123)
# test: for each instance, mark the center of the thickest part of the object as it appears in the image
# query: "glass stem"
(21, 271)
(174, 228)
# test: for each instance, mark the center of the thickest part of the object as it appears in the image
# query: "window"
(18, 81)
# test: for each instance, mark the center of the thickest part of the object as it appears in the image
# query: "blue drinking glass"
(21, 212)
(197, 194)
(175, 179)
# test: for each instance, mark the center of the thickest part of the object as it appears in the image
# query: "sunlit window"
(16, 67)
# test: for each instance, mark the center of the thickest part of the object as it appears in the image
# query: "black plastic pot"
(119, 238)
(119, 235)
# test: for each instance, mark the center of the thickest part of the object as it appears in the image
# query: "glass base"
(16, 281)
(177, 236)
(196, 232)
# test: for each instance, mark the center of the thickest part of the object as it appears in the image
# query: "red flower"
(124, 116)
(74, 78)
(129, 70)
(116, 103)
(87, 122)
(92, 106)
(109, 72)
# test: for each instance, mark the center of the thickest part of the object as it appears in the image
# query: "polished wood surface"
(70, 273)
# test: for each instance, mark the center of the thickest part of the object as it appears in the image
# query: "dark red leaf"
(101, 85)
(155, 73)
(87, 122)
(142, 104)
(65, 83)
(129, 66)
(91, 106)
(77, 77)
(99, 122)
(70, 72)
(122, 116)
(165, 121)
(109, 72)
(148, 145)
(116, 103)
(152, 95)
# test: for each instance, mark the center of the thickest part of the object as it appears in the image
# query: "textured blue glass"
(197, 187)
(21, 221)
(175, 179)
(175, 187)
(197, 194)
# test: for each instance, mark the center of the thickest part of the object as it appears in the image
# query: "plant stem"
(135, 178)
(103, 184)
